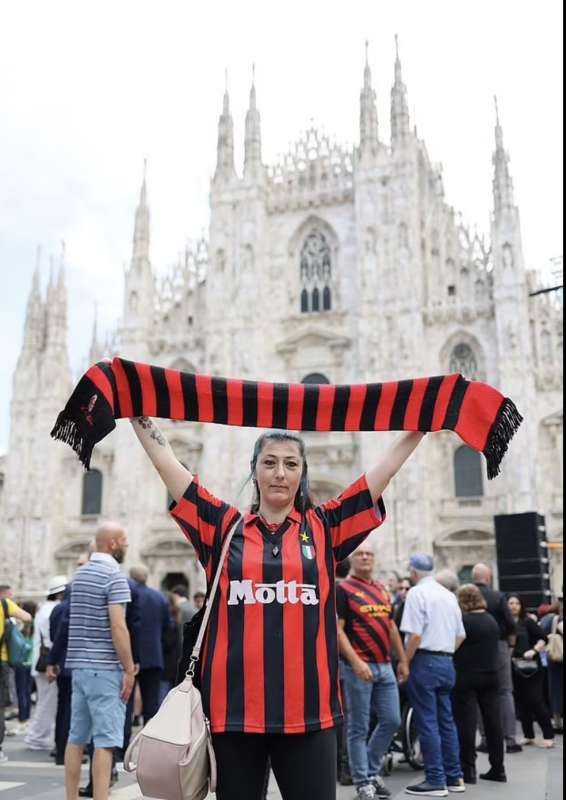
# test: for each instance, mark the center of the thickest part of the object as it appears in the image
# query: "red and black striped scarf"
(477, 412)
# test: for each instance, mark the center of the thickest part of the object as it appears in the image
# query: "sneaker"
(366, 792)
(382, 792)
(425, 789)
(546, 744)
(514, 748)
(3, 757)
(527, 742)
(456, 785)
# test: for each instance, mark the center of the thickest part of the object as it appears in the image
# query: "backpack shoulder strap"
(195, 655)
(6, 614)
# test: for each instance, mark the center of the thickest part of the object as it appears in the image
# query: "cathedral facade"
(333, 266)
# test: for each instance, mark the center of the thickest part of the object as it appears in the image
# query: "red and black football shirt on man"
(366, 608)
(270, 662)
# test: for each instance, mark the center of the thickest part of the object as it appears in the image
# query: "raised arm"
(174, 475)
(379, 476)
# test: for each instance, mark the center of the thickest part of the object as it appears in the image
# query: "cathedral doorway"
(460, 550)
(171, 562)
(174, 579)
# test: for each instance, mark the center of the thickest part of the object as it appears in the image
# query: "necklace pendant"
(275, 551)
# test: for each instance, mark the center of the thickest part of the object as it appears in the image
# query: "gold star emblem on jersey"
(305, 537)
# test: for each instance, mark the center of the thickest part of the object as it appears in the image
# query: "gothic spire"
(140, 253)
(95, 351)
(252, 159)
(34, 322)
(369, 136)
(400, 122)
(56, 306)
(503, 195)
(225, 168)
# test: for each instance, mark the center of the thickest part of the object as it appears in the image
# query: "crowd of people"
(43, 682)
(471, 662)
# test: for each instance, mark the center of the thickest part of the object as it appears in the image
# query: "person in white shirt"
(434, 629)
(41, 731)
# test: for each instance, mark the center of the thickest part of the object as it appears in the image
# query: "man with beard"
(100, 656)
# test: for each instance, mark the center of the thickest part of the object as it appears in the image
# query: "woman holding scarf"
(270, 669)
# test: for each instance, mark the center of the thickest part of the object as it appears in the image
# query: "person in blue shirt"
(154, 611)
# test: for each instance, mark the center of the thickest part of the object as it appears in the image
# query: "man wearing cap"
(434, 629)
(41, 732)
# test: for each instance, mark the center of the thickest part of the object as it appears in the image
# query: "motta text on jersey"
(248, 592)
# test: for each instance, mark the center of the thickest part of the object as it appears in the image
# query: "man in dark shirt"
(497, 606)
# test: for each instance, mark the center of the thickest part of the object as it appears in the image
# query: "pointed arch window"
(316, 273)
(92, 492)
(463, 360)
(468, 475)
(315, 299)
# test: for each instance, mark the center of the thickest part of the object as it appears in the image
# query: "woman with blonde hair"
(477, 685)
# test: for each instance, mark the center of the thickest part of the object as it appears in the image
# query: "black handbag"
(43, 659)
(524, 667)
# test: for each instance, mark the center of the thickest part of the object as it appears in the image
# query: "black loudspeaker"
(522, 557)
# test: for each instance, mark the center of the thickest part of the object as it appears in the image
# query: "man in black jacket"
(497, 606)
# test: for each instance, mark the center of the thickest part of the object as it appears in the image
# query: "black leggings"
(304, 765)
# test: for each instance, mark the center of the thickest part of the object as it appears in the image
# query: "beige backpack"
(172, 755)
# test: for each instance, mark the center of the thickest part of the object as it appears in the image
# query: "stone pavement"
(533, 775)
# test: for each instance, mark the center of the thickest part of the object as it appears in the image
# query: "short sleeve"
(118, 590)
(204, 520)
(13, 608)
(341, 603)
(413, 615)
(351, 517)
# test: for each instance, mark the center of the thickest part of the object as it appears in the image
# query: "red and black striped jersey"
(270, 661)
(367, 611)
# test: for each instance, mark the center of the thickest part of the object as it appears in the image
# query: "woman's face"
(404, 588)
(278, 473)
(515, 606)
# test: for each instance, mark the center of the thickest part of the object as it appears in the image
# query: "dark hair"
(303, 498)
(198, 594)
(523, 611)
(180, 590)
(343, 568)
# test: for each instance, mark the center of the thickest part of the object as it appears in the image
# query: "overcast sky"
(88, 90)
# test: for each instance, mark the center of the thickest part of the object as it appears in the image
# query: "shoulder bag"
(172, 755)
(43, 658)
(555, 646)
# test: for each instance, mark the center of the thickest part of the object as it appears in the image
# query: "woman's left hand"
(530, 655)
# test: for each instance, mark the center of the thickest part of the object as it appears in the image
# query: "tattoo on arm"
(158, 437)
(155, 434)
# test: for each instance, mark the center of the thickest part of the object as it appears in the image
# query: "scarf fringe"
(504, 428)
(66, 430)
